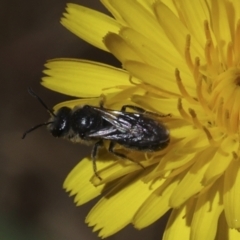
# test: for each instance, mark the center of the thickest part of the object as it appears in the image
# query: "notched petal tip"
(82, 21)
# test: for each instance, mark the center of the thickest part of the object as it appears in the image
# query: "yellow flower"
(180, 57)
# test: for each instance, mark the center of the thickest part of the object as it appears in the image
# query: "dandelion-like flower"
(179, 57)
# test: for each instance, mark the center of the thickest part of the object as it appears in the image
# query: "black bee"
(139, 130)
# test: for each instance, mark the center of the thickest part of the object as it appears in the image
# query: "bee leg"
(102, 101)
(96, 146)
(143, 111)
(111, 150)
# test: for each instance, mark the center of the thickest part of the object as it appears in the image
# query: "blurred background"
(33, 204)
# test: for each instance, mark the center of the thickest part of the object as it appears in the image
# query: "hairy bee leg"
(96, 146)
(141, 110)
(111, 150)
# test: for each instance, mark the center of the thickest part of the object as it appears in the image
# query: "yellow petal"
(77, 182)
(193, 19)
(221, 26)
(208, 209)
(147, 4)
(157, 203)
(232, 195)
(224, 232)
(193, 141)
(129, 13)
(119, 48)
(173, 160)
(233, 234)
(132, 12)
(161, 105)
(119, 168)
(77, 77)
(164, 60)
(88, 24)
(111, 100)
(220, 161)
(147, 50)
(163, 80)
(116, 210)
(171, 5)
(78, 102)
(113, 11)
(236, 5)
(234, 121)
(178, 226)
(178, 132)
(170, 22)
(191, 182)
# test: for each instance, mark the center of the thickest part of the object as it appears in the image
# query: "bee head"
(60, 122)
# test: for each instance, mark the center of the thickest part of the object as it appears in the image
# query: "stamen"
(226, 117)
(208, 52)
(182, 111)
(148, 88)
(239, 129)
(201, 99)
(187, 52)
(195, 120)
(176, 172)
(182, 88)
(122, 87)
(157, 91)
(207, 31)
(219, 119)
(236, 42)
(196, 69)
(234, 119)
(131, 80)
(238, 151)
(147, 157)
(209, 137)
(230, 55)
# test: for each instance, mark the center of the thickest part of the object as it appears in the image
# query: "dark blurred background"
(33, 204)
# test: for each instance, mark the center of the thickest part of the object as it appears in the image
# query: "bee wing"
(132, 129)
(103, 133)
(114, 118)
(120, 125)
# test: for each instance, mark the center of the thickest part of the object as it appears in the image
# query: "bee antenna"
(35, 127)
(33, 94)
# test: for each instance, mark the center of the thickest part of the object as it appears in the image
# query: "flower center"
(224, 101)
